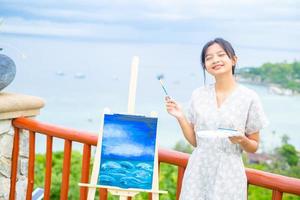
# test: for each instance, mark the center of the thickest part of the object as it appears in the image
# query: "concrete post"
(14, 106)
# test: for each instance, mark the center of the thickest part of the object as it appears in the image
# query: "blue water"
(78, 102)
(126, 174)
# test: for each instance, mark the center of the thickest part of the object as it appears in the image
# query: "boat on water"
(60, 73)
(79, 76)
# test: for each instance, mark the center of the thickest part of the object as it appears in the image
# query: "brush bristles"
(161, 76)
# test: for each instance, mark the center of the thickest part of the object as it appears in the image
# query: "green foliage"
(168, 181)
(183, 147)
(255, 193)
(285, 164)
(287, 75)
(285, 139)
(57, 163)
(289, 154)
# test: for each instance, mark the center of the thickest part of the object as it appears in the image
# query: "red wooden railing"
(277, 183)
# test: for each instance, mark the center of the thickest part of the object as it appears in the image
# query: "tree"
(183, 147)
(289, 153)
(285, 139)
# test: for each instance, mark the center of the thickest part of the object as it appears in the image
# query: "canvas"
(127, 151)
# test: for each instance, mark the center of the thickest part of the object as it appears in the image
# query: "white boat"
(60, 73)
(79, 76)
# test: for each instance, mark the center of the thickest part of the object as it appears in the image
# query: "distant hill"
(285, 75)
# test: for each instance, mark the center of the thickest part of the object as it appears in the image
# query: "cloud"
(114, 131)
(169, 21)
(42, 28)
(133, 11)
(130, 150)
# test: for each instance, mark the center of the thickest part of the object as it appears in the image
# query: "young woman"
(215, 169)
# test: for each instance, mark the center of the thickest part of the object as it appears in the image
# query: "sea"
(126, 174)
(79, 79)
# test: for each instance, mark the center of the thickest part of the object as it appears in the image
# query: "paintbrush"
(160, 77)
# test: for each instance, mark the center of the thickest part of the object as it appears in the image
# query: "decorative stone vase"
(7, 71)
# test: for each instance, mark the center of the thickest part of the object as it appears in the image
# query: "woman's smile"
(217, 67)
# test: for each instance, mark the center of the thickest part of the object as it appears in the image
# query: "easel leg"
(155, 196)
(123, 197)
(96, 165)
(155, 182)
(91, 194)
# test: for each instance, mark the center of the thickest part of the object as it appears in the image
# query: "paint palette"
(219, 133)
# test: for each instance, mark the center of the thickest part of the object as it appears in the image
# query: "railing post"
(86, 159)
(64, 189)
(13, 179)
(179, 181)
(276, 195)
(30, 182)
(48, 170)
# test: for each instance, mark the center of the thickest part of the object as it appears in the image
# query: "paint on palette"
(128, 151)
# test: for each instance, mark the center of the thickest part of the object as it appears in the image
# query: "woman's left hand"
(238, 139)
(248, 143)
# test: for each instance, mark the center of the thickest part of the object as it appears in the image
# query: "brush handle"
(163, 87)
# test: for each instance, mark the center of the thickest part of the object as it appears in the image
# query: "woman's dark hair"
(225, 45)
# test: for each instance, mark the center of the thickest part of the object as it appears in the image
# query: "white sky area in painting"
(128, 150)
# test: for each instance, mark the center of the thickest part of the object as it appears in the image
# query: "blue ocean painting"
(128, 151)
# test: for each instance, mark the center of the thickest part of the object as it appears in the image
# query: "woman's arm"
(188, 130)
(175, 110)
(248, 143)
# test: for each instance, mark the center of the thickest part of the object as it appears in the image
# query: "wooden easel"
(123, 193)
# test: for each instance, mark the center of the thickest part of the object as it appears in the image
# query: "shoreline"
(272, 88)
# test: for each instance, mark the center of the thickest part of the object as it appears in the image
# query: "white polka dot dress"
(215, 170)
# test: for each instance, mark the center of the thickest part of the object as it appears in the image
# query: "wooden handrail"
(56, 131)
(277, 183)
(273, 181)
(255, 177)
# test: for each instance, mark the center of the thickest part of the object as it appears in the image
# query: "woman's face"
(217, 61)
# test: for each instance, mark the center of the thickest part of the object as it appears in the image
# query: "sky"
(126, 136)
(99, 39)
(252, 24)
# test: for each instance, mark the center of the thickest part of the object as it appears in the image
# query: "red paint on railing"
(103, 194)
(56, 131)
(273, 181)
(86, 158)
(276, 195)
(179, 181)
(66, 170)
(30, 181)
(173, 157)
(48, 171)
(279, 184)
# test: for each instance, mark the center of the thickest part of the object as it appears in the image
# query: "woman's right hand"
(173, 108)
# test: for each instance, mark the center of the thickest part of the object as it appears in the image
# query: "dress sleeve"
(256, 119)
(190, 111)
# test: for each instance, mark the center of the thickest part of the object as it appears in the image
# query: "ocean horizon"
(78, 80)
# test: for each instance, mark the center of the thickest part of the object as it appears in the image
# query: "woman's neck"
(225, 83)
